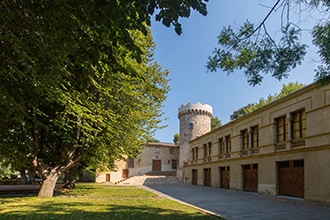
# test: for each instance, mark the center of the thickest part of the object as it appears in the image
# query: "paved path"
(234, 205)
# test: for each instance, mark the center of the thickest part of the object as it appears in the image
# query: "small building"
(282, 148)
(154, 157)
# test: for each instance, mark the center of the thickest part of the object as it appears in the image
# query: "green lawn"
(95, 201)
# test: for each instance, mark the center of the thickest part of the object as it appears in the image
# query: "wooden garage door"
(291, 178)
(207, 177)
(250, 177)
(194, 177)
(224, 177)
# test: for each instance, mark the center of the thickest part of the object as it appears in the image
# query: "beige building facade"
(281, 149)
(154, 157)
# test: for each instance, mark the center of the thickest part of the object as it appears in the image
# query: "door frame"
(156, 164)
(224, 173)
(107, 177)
(207, 176)
(291, 178)
(250, 177)
(124, 173)
(194, 179)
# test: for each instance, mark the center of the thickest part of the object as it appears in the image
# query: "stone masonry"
(195, 120)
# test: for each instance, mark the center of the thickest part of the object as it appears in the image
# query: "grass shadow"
(75, 210)
(95, 201)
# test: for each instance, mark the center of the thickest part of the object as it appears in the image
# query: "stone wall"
(166, 153)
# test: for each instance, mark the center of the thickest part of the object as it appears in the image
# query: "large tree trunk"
(48, 184)
(51, 174)
(70, 177)
(23, 176)
(31, 175)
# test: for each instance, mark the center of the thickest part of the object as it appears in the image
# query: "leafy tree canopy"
(286, 90)
(5, 169)
(215, 123)
(253, 49)
(153, 140)
(78, 79)
(176, 138)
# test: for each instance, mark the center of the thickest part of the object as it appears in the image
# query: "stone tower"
(195, 120)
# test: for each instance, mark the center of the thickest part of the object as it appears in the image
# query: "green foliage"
(153, 140)
(176, 138)
(78, 80)
(215, 123)
(104, 115)
(242, 50)
(286, 90)
(5, 169)
(321, 34)
(170, 11)
(254, 50)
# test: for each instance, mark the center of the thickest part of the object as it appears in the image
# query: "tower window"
(191, 126)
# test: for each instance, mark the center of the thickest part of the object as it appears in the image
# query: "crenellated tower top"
(197, 109)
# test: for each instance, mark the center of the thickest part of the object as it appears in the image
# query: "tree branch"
(266, 32)
(263, 21)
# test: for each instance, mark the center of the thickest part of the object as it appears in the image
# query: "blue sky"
(186, 56)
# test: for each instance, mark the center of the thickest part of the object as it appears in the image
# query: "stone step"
(161, 173)
(161, 180)
(146, 179)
